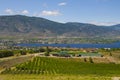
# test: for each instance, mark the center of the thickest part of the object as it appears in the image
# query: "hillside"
(24, 26)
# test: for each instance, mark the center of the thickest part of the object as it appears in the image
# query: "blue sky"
(100, 12)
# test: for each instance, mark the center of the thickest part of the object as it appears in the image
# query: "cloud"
(104, 23)
(9, 11)
(62, 4)
(25, 12)
(50, 13)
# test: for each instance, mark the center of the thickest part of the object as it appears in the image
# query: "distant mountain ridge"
(24, 26)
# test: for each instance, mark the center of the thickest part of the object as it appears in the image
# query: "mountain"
(117, 27)
(24, 26)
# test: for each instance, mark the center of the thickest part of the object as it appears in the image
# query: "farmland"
(32, 67)
(52, 77)
(61, 69)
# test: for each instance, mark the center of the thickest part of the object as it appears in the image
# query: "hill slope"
(24, 26)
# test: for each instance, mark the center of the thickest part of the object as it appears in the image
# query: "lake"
(111, 45)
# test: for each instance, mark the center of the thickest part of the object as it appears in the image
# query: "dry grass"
(7, 63)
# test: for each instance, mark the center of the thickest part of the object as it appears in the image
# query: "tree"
(110, 54)
(6, 53)
(47, 53)
(23, 52)
(42, 50)
(85, 60)
(91, 60)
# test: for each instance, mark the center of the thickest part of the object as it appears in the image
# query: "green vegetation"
(27, 67)
(51, 77)
(68, 66)
(6, 53)
(47, 53)
(22, 51)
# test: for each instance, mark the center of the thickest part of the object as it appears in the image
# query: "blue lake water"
(112, 45)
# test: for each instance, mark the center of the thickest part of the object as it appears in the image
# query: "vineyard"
(69, 66)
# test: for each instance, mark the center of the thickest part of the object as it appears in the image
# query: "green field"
(52, 77)
(61, 69)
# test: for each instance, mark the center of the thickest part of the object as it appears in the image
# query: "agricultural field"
(52, 77)
(48, 68)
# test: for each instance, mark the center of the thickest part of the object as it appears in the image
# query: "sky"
(99, 12)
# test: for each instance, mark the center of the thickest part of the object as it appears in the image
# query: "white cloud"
(62, 4)
(104, 23)
(50, 13)
(25, 12)
(9, 11)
